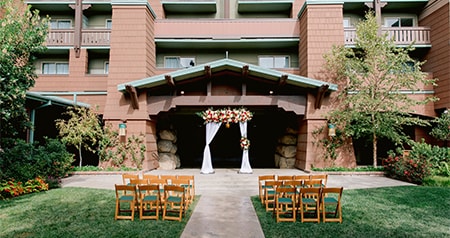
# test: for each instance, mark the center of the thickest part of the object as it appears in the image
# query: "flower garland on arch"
(226, 115)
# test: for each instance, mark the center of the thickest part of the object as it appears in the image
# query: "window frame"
(106, 23)
(106, 67)
(399, 20)
(274, 57)
(60, 20)
(56, 67)
(180, 58)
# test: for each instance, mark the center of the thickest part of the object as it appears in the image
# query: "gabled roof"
(226, 64)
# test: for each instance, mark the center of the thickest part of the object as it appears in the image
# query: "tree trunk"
(79, 152)
(374, 141)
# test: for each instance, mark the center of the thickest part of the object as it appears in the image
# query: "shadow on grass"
(78, 212)
(409, 211)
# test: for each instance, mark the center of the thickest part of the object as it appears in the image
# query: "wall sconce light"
(331, 129)
(270, 92)
(122, 129)
(182, 92)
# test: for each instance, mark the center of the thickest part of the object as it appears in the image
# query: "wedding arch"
(213, 120)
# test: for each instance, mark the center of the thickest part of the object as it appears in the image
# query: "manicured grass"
(409, 211)
(77, 212)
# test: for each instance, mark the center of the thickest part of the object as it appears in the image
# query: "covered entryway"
(277, 99)
(264, 130)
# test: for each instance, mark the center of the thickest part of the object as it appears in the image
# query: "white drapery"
(211, 130)
(245, 164)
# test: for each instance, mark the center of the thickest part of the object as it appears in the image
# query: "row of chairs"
(311, 203)
(152, 195)
(304, 179)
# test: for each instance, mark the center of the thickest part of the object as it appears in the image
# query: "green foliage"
(22, 36)
(10, 189)
(22, 161)
(97, 168)
(111, 148)
(437, 181)
(82, 129)
(422, 161)
(441, 127)
(371, 78)
(357, 169)
(330, 143)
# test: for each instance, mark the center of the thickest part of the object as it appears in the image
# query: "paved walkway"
(225, 208)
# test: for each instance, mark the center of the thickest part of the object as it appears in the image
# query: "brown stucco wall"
(132, 57)
(438, 59)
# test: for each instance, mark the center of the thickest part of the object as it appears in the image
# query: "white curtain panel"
(211, 130)
(245, 164)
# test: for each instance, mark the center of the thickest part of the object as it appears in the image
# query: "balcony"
(402, 36)
(90, 37)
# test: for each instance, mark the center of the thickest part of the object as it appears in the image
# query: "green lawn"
(77, 212)
(409, 211)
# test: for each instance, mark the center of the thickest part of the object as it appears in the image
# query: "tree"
(441, 129)
(22, 36)
(372, 77)
(82, 129)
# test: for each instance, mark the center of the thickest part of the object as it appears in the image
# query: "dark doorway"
(263, 132)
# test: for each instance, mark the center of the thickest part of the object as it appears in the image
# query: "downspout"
(33, 117)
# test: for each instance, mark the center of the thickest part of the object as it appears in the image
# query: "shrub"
(22, 161)
(12, 188)
(407, 168)
(422, 161)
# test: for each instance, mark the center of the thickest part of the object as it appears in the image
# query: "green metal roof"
(226, 64)
(53, 100)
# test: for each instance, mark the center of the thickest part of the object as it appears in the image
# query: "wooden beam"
(208, 71)
(169, 80)
(245, 71)
(283, 79)
(320, 95)
(133, 96)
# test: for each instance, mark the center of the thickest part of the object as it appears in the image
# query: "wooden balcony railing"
(90, 37)
(400, 35)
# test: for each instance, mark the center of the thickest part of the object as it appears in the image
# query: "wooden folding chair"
(150, 177)
(323, 177)
(150, 202)
(302, 177)
(285, 177)
(309, 204)
(127, 177)
(125, 194)
(186, 184)
(285, 203)
(261, 185)
(192, 183)
(331, 198)
(174, 206)
(269, 193)
(168, 178)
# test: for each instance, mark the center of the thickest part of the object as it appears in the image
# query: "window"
(55, 68)
(399, 22)
(108, 24)
(106, 67)
(61, 24)
(347, 22)
(273, 61)
(178, 62)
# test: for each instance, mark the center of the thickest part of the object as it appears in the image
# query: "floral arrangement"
(226, 115)
(245, 143)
